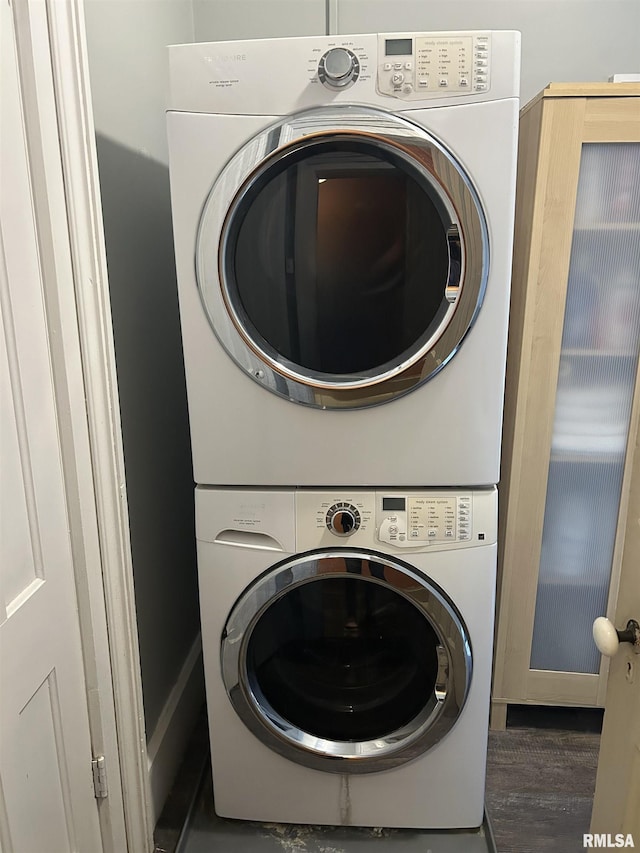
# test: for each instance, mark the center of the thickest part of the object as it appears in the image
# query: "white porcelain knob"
(608, 639)
(605, 636)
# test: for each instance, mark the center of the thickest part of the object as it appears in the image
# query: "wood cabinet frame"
(553, 128)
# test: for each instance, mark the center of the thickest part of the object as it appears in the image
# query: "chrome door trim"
(437, 718)
(467, 235)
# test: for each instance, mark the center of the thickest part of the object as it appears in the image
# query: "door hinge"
(99, 767)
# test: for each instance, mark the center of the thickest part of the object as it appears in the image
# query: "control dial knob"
(343, 519)
(338, 67)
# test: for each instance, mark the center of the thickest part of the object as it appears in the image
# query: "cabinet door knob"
(608, 639)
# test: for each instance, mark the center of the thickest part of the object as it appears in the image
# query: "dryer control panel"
(415, 65)
(396, 71)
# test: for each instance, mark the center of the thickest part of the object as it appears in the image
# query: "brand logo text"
(607, 840)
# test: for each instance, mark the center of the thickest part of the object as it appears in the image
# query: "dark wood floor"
(540, 781)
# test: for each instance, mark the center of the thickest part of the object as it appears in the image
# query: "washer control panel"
(395, 519)
(413, 66)
(410, 520)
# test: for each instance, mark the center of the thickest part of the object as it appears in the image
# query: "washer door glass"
(346, 657)
(342, 267)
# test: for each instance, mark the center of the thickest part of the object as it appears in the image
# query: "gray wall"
(562, 40)
(128, 66)
(217, 20)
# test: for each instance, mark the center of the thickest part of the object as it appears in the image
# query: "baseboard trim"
(166, 747)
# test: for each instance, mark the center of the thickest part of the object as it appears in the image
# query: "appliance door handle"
(248, 539)
(454, 275)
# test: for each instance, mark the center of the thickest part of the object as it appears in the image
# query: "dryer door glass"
(342, 257)
(338, 259)
(346, 656)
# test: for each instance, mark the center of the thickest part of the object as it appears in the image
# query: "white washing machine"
(347, 647)
(343, 216)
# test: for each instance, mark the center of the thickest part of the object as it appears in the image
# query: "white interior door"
(616, 807)
(47, 798)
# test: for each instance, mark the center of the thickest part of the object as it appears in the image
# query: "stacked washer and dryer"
(343, 216)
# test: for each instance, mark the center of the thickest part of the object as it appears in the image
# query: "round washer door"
(346, 661)
(342, 256)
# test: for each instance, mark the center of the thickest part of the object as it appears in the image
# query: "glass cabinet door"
(596, 384)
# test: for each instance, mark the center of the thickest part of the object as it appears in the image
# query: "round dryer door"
(342, 257)
(346, 661)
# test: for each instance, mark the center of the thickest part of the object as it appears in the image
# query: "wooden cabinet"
(571, 405)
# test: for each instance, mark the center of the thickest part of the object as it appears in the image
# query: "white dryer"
(343, 216)
(347, 647)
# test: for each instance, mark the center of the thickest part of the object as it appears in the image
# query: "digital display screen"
(398, 47)
(397, 504)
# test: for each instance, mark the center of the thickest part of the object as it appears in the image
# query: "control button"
(480, 63)
(407, 89)
(443, 83)
(480, 87)
(465, 536)
(392, 518)
(388, 66)
(408, 66)
(397, 79)
(448, 534)
(463, 82)
(414, 534)
(397, 65)
(423, 83)
(432, 534)
(402, 537)
(393, 529)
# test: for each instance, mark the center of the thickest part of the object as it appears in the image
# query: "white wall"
(562, 40)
